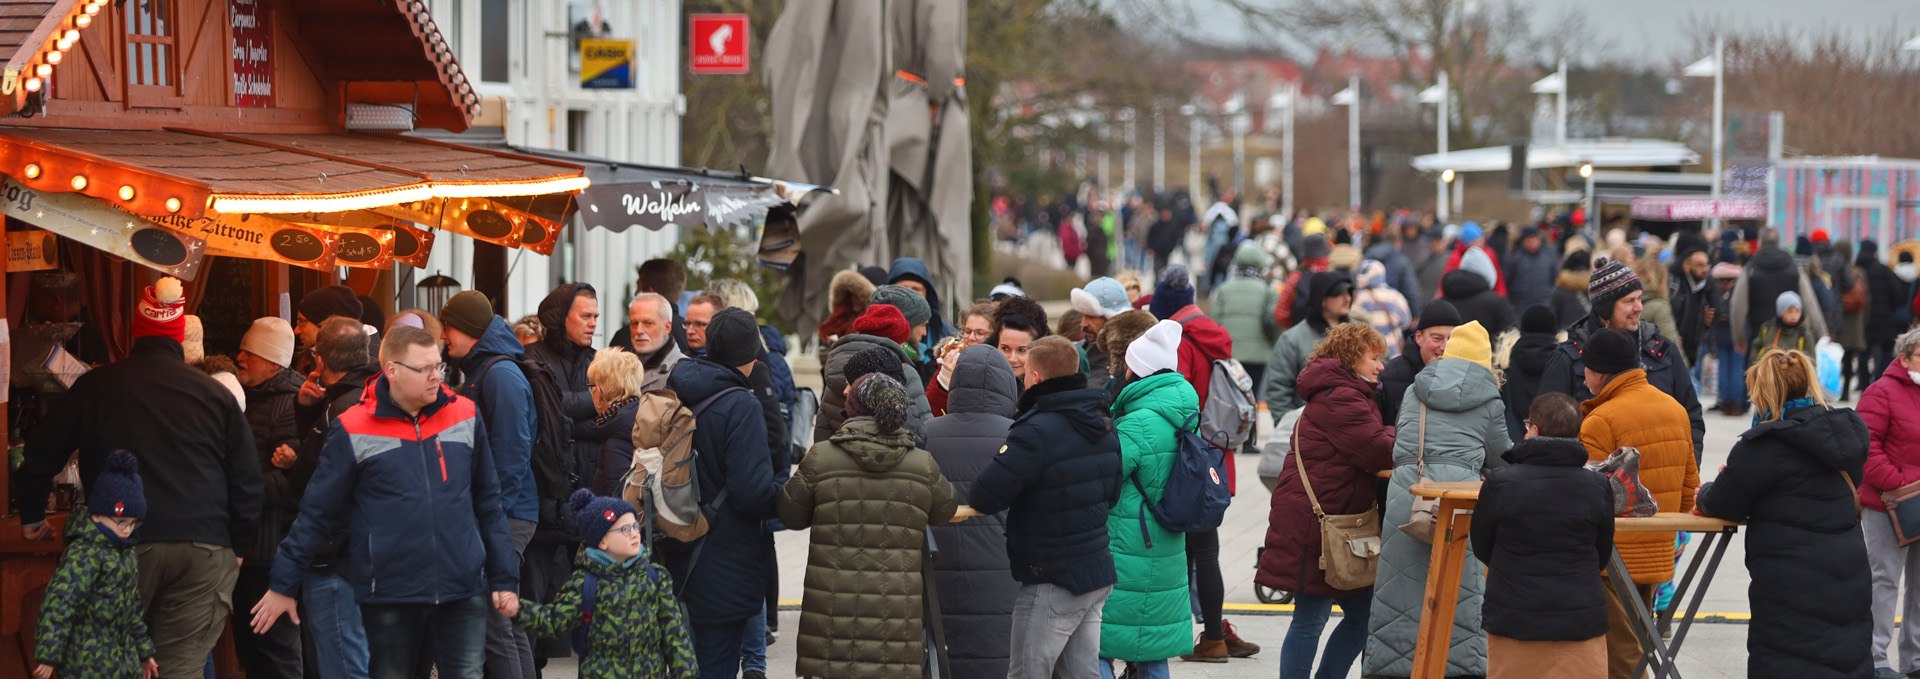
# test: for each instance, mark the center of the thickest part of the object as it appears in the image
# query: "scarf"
(1763, 416)
(612, 410)
(116, 540)
(595, 555)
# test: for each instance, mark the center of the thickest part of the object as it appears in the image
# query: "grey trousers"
(1892, 566)
(510, 650)
(187, 589)
(1055, 630)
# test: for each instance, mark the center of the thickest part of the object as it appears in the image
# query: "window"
(153, 68)
(576, 130)
(494, 40)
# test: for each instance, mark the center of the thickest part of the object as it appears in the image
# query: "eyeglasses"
(436, 371)
(631, 530)
(979, 335)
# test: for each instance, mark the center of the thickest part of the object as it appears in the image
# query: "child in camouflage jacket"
(630, 624)
(90, 622)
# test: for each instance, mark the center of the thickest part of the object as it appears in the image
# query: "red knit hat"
(1819, 236)
(162, 311)
(883, 320)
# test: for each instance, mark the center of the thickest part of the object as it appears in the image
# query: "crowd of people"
(452, 492)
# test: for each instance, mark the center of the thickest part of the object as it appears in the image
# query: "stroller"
(1268, 595)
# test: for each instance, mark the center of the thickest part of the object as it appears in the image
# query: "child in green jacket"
(1785, 332)
(630, 622)
(90, 622)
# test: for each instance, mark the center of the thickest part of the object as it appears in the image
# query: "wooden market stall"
(251, 148)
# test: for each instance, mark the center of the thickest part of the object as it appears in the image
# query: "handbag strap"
(1420, 454)
(1298, 462)
(1854, 492)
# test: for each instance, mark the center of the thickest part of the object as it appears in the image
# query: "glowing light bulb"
(126, 192)
(33, 84)
(33, 170)
(79, 182)
(43, 70)
(173, 204)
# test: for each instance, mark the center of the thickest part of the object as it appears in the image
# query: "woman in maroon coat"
(1891, 407)
(1342, 444)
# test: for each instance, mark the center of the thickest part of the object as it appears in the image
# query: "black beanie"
(1539, 318)
(334, 300)
(1440, 313)
(873, 360)
(1611, 352)
(733, 338)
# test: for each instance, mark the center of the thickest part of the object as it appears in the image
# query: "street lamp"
(1239, 121)
(1126, 118)
(1713, 67)
(1586, 170)
(1286, 98)
(1446, 177)
(1350, 98)
(1556, 84)
(1440, 97)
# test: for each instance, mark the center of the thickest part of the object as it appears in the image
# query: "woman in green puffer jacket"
(1148, 619)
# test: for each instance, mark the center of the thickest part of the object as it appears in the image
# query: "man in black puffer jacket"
(976, 588)
(1544, 527)
(1769, 273)
(1057, 477)
(1615, 294)
(1426, 342)
(1474, 298)
(1887, 312)
(1525, 365)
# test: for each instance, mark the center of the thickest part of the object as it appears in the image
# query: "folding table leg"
(1718, 542)
(1652, 649)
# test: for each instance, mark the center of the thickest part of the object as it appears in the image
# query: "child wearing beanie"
(91, 622)
(1785, 331)
(619, 608)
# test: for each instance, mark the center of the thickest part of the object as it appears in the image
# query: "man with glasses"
(650, 325)
(699, 313)
(408, 475)
(489, 355)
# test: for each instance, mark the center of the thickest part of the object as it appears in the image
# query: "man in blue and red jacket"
(409, 471)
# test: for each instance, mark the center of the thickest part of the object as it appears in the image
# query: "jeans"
(1149, 669)
(718, 649)
(339, 640)
(753, 645)
(1892, 565)
(457, 630)
(1733, 374)
(1310, 615)
(1055, 630)
(510, 650)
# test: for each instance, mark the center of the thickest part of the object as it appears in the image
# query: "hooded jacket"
(1659, 360)
(1891, 408)
(1690, 311)
(1399, 273)
(1342, 444)
(730, 445)
(1382, 306)
(1244, 306)
(1887, 311)
(833, 399)
(568, 360)
(636, 627)
(1657, 311)
(780, 374)
(1148, 615)
(1525, 366)
(1630, 412)
(869, 496)
(1544, 528)
(1811, 590)
(1477, 301)
(270, 412)
(394, 482)
(198, 463)
(915, 269)
(1057, 480)
(505, 401)
(1465, 431)
(91, 625)
(977, 588)
(1769, 273)
(1290, 352)
(1530, 276)
(1569, 299)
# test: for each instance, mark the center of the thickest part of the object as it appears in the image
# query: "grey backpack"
(1226, 419)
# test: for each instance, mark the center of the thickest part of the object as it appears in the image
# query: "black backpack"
(554, 475)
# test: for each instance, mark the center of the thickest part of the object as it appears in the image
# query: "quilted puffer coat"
(635, 628)
(833, 406)
(1342, 444)
(1466, 430)
(1631, 412)
(869, 496)
(976, 589)
(1148, 616)
(90, 625)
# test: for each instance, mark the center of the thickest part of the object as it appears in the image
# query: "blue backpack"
(1196, 497)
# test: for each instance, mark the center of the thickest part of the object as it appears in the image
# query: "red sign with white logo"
(718, 44)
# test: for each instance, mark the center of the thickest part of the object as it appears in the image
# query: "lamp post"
(1556, 84)
(1159, 148)
(1127, 177)
(1440, 97)
(1350, 98)
(1286, 99)
(1192, 113)
(1712, 67)
(1238, 120)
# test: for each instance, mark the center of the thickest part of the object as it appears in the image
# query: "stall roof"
(157, 173)
(1602, 153)
(624, 195)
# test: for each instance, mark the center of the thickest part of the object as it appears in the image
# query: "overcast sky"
(1652, 29)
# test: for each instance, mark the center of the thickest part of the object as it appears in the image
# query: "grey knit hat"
(910, 303)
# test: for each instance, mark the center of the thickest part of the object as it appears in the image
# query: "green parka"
(90, 622)
(1244, 306)
(869, 496)
(1149, 615)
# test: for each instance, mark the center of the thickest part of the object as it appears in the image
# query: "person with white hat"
(271, 390)
(1102, 299)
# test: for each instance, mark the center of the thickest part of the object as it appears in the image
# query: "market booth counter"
(252, 149)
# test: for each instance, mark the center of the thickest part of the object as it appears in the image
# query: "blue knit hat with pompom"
(595, 515)
(117, 491)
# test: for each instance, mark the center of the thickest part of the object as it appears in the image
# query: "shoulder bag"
(1349, 543)
(1421, 520)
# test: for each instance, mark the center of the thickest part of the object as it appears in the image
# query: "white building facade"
(525, 53)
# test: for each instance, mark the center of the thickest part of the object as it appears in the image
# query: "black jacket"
(1530, 276)
(1888, 314)
(1544, 527)
(1811, 589)
(270, 414)
(1658, 355)
(1395, 379)
(315, 424)
(1057, 480)
(1525, 364)
(1476, 301)
(976, 589)
(614, 455)
(1769, 273)
(1690, 311)
(730, 442)
(197, 460)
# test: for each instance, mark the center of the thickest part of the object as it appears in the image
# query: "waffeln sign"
(718, 44)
